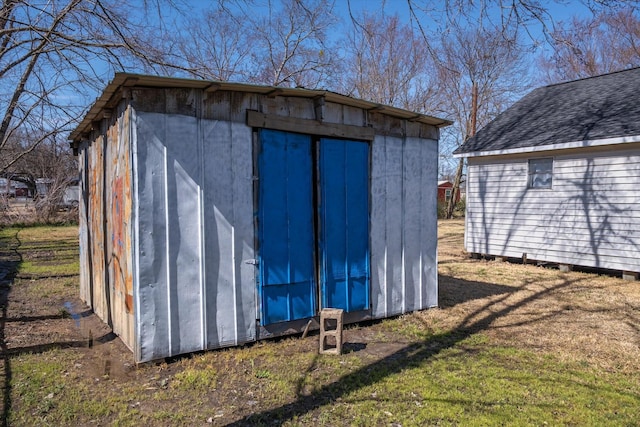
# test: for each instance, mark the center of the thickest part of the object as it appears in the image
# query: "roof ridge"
(590, 77)
(586, 112)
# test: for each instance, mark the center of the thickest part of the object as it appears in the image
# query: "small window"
(540, 173)
(447, 194)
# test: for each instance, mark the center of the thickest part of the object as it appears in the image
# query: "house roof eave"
(552, 147)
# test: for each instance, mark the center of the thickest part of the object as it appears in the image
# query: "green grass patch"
(458, 382)
(195, 380)
(41, 251)
(472, 383)
(50, 388)
(35, 268)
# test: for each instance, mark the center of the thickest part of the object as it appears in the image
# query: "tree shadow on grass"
(10, 260)
(412, 355)
(455, 291)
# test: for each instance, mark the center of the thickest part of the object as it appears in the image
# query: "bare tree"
(55, 55)
(218, 46)
(387, 62)
(283, 43)
(609, 41)
(47, 171)
(291, 44)
(480, 63)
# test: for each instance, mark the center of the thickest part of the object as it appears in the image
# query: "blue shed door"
(344, 224)
(285, 227)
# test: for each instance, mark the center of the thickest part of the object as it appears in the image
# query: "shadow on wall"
(609, 225)
(592, 222)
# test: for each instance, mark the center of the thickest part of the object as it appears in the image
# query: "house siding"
(587, 218)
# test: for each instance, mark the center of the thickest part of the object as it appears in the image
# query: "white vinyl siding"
(588, 218)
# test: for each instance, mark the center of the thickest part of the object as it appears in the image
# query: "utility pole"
(471, 130)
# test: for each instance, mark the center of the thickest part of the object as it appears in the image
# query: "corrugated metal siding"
(403, 225)
(231, 232)
(588, 218)
(195, 218)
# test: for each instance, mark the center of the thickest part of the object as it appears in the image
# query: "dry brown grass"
(23, 211)
(576, 316)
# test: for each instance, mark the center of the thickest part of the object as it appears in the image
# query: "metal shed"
(214, 214)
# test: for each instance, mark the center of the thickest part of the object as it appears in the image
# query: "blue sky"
(558, 11)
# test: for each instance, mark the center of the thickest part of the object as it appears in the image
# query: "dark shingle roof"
(605, 106)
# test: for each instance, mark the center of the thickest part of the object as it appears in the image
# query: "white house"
(556, 177)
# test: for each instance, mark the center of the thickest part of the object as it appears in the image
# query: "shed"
(445, 189)
(556, 177)
(214, 214)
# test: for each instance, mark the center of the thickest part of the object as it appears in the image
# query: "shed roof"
(593, 111)
(128, 80)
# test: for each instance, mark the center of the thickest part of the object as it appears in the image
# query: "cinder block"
(331, 326)
(565, 268)
(630, 275)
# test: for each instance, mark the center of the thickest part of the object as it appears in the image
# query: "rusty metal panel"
(118, 225)
(96, 222)
(403, 225)
(106, 280)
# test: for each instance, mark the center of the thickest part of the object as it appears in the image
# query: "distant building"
(445, 191)
(11, 188)
(6, 188)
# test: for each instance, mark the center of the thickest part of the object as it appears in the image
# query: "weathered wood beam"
(257, 119)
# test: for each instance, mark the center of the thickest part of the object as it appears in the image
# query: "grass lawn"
(510, 344)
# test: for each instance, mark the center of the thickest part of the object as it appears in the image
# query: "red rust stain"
(120, 215)
(95, 215)
(128, 303)
(109, 213)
